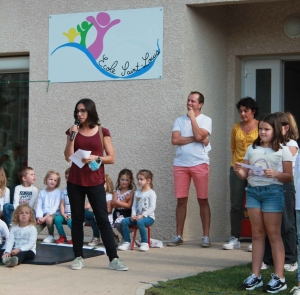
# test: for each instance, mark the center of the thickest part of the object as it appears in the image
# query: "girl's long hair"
(293, 130)
(2, 182)
(271, 119)
(109, 184)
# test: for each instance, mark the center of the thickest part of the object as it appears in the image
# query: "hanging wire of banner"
(29, 81)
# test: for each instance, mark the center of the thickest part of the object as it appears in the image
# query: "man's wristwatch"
(98, 160)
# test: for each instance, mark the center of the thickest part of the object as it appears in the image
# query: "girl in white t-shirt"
(4, 191)
(270, 166)
(48, 204)
(21, 244)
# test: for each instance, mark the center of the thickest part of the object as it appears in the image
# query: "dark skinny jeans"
(237, 194)
(97, 199)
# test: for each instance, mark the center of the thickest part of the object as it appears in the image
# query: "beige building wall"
(203, 47)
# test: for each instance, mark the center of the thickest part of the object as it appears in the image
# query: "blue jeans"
(268, 198)
(90, 217)
(8, 210)
(59, 221)
(141, 224)
(298, 233)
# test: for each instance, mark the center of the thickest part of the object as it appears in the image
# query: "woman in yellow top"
(242, 135)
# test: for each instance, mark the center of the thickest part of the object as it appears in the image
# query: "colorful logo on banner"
(94, 34)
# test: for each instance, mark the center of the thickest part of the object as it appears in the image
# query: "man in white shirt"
(190, 134)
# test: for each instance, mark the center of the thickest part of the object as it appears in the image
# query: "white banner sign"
(106, 45)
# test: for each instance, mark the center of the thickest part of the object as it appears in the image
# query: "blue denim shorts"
(268, 198)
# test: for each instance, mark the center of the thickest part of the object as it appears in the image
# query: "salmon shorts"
(182, 180)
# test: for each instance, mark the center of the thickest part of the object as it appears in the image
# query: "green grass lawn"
(219, 282)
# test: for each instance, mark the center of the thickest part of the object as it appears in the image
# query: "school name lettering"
(127, 69)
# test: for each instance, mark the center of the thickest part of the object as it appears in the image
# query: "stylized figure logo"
(102, 25)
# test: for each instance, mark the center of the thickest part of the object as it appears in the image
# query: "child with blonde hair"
(47, 204)
(21, 244)
(143, 207)
(90, 217)
(24, 193)
(4, 191)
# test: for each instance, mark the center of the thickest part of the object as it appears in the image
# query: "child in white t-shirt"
(24, 193)
(4, 232)
(21, 244)
(47, 205)
(270, 167)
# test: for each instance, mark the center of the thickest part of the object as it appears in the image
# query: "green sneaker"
(77, 263)
(117, 264)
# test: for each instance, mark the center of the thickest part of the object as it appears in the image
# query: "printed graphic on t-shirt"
(25, 197)
(259, 163)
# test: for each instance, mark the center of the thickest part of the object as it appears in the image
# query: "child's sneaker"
(124, 246)
(233, 243)
(117, 264)
(275, 285)
(13, 261)
(94, 242)
(61, 240)
(49, 239)
(252, 282)
(70, 242)
(144, 247)
(177, 240)
(264, 266)
(296, 290)
(77, 263)
(291, 267)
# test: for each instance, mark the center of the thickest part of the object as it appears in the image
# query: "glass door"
(14, 92)
(262, 80)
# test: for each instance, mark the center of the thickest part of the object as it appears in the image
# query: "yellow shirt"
(240, 142)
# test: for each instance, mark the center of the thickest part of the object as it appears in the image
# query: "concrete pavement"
(145, 268)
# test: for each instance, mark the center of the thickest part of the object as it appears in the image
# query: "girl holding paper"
(89, 180)
(265, 199)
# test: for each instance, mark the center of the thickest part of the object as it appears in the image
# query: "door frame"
(278, 104)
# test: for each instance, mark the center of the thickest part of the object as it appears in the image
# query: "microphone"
(77, 122)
